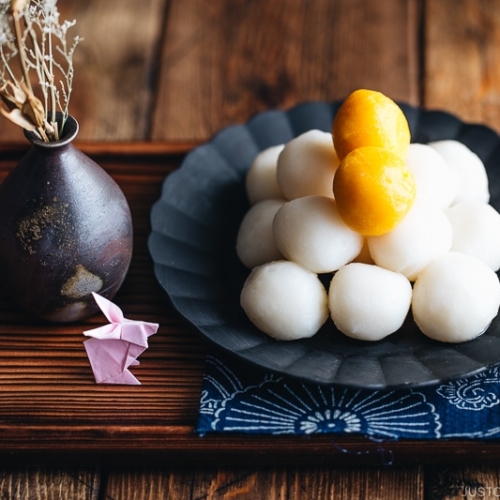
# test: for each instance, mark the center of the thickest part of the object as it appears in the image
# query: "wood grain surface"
(462, 75)
(153, 79)
(224, 61)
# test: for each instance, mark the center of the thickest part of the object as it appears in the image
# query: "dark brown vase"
(65, 231)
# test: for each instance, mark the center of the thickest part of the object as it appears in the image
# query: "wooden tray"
(52, 410)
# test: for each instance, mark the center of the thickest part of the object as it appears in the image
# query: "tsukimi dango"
(455, 298)
(306, 165)
(310, 231)
(434, 178)
(423, 235)
(368, 302)
(285, 300)
(255, 243)
(476, 231)
(374, 190)
(370, 118)
(471, 177)
(376, 213)
(261, 182)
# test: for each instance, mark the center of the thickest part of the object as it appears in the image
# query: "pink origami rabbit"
(116, 346)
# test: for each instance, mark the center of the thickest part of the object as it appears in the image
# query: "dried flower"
(35, 59)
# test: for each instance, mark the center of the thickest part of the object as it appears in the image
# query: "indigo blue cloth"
(241, 399)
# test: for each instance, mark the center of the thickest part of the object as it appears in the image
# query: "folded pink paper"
(115, 347)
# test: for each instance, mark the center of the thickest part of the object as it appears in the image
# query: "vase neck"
(69, 132)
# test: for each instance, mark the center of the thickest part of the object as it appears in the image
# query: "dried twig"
(35, 57)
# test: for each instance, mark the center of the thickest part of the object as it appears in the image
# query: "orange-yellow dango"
(374, 190)
(369, 118)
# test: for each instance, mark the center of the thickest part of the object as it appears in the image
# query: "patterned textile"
(239, 398)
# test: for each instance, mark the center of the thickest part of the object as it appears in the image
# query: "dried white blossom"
(31, 33)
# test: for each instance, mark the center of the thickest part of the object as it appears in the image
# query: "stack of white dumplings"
(439, 263)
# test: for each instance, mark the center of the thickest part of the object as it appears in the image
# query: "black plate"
(194, 226)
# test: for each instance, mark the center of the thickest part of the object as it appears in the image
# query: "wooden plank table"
(153, 79)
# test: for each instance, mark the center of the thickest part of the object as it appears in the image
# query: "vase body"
(65, 231)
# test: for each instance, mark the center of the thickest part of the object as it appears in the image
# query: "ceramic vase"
(65, 231)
